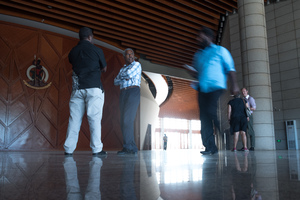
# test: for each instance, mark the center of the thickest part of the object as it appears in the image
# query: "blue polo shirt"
(213, 64)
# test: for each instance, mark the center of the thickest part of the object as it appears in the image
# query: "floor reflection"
(243, 177)
(72, 183)
(180, 174)
(127, 184)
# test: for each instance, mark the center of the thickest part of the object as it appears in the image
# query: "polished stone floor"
(157, 174)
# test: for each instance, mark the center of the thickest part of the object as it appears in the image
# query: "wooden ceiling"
(162, 31)
(182, 103)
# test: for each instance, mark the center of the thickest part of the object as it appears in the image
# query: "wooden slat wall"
(38, 119)
(183, 103)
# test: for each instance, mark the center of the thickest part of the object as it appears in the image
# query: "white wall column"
(190, 135)
(256, 69)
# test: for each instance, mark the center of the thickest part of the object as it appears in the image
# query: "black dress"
(238, 119)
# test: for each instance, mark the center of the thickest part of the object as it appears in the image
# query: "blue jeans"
(129, 103)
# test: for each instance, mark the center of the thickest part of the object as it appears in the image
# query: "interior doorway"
(181, 134)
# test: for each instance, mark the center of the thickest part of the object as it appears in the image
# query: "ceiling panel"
(153, 28)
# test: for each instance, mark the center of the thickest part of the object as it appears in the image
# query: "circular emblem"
(44, 76)
(38, 75)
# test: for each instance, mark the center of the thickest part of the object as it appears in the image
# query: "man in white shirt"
(129, 80)
(252, 104)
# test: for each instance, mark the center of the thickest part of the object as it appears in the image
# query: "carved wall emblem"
(38, 75)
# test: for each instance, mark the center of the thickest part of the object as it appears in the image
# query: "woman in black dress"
(238, 119)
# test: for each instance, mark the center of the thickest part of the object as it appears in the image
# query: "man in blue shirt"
(129, 79)
(213, 64)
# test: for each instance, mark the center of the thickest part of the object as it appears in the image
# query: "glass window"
(195, 124)
(180, 136)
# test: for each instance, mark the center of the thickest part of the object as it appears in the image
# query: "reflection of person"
(88, 62)
(213, 63)
(241, 179)
(238, 120)
(211, 181)
(129, 79)
(255, 194)
(165, 141)
(252, 106)
(72, 183)
(127, 183)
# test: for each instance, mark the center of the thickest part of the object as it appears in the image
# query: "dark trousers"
(129, 103)
(251, 132)
(165, 145)
(208, 104)
(127, 183)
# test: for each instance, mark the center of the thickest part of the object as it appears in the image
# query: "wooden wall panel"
(111, 131)
(185, 96)
(38, 119)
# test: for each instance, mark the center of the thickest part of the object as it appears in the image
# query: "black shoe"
(101, 153)
(242, 149)
(214, 152)
(134, 152)
(126, 151)
(251, 149)
(123, 151)
(206, 152)
(68, 154)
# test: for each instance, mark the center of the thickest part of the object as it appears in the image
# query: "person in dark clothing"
(87, 92)
(241, 178)
(237, 118)
(165, 138)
